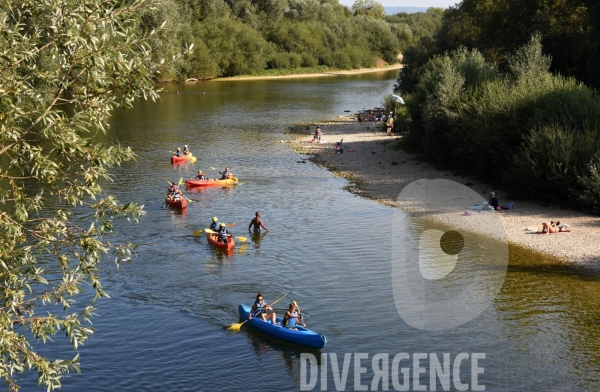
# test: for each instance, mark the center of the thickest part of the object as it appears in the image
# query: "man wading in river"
(257, 223)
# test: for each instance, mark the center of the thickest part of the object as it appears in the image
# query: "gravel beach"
(380, 172)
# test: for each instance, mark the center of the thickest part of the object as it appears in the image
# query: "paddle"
(299, 320)
(237, 326)
(198, 232)
(209, 231)
(186, 198)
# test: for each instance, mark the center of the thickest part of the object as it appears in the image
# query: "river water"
(161, 330)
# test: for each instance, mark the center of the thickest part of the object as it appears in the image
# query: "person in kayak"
(174, 192)
(257, 223)
(263, 310)
(186, 150)
(223, 233)
(226, 174)
(178, 153)
(200, 176)
(292, 318)
(215, 224)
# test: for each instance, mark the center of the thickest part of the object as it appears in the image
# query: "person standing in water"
(257, 223)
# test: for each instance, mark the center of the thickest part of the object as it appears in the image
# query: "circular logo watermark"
(447, 265)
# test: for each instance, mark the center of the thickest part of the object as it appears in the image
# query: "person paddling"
(178, 153)
(223, 233)
(174, 192)
(226, 174)
(186, 150)
(257, 223)
(262, 309)
(200, 176)
(215, 224)
(292, 318)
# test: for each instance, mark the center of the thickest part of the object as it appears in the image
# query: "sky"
(409, 3)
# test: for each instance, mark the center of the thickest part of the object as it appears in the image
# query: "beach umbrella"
(397, 100)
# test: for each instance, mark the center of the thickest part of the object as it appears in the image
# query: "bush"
(534, 132)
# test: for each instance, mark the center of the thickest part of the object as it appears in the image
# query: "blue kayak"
(302, 337)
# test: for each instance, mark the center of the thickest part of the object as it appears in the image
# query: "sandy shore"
(313, 75)
(378, 172)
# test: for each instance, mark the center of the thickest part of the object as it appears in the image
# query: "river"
(161, 330)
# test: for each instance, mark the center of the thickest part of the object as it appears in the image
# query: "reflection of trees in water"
(549, 303)
(290, 354)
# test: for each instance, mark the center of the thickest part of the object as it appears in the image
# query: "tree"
(64, 66)
(368, 7)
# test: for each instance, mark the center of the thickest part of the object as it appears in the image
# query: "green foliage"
(411, 28)
(368, 7)
(234, 37)
(497, 28)
(535, 132)
(590, 182)
(64, 67)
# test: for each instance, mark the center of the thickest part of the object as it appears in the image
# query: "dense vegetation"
(64, 67)
(250, 36)
(534, 131)
(505, 90)
(570, 31)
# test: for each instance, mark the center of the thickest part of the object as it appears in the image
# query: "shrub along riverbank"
(531, 131)
(247, 37)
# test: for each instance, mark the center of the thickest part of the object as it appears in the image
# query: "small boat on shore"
(302, 337)
(213, 240)
(198, 183)
(180, 203)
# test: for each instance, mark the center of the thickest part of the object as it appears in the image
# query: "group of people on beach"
(551, 227)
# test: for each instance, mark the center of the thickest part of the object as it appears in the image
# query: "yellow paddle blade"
(235, 327)
(209, 231)
(297, 307)
(213, 168)
(243, 239)
(197, 232)
(180, 181)
(242, 248)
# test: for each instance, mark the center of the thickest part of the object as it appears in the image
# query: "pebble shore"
(378, 171)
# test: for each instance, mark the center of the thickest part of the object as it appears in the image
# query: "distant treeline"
(506, 90)
(240, 37)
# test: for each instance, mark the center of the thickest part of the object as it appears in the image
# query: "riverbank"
(378, 171)
(313, 75)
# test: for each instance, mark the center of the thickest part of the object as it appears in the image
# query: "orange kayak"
(213, 240)
(181, 203)
(183, 158)
(196, 183)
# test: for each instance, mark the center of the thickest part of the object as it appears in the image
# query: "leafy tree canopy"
(64, 67)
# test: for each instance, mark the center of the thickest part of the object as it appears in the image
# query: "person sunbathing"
(554, 227)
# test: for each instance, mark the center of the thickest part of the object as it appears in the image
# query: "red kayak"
(213, 240)
(181, 203)
(196, 183)
(183, 158)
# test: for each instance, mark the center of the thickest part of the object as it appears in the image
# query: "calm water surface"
(161, 330)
